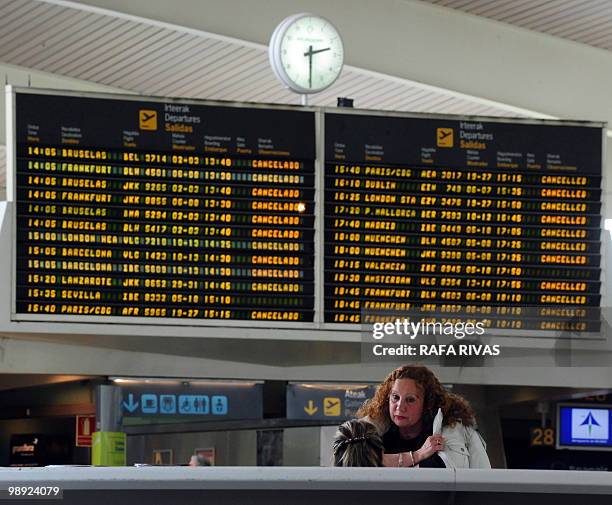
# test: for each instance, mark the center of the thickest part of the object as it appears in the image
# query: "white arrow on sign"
(130, 406)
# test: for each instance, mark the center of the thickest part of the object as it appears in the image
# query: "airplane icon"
(147, 119)
(444, 137)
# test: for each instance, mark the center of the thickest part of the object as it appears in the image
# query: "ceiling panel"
(141, 56)
(585, 21)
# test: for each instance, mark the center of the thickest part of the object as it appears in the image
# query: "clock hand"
(319, 50)
(310, 53)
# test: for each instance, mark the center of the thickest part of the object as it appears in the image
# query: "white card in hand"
(437, 423)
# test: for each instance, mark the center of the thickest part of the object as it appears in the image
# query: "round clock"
(306, 53)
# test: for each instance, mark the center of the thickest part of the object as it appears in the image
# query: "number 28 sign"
(542, 437)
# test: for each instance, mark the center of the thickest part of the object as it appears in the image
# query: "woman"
(422, 424)
(357, 443)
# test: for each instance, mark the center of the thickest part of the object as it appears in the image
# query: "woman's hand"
(432, 445)
(390, 460)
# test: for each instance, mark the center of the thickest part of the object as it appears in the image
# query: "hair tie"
(346, 441)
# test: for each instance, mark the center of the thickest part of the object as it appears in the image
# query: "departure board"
(163, 209)
(449, 215)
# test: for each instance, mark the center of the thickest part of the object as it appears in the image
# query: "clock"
(306, 53)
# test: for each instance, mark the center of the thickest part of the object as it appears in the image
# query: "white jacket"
(463, 446)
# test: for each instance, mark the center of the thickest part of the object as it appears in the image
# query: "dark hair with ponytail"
(357, 443)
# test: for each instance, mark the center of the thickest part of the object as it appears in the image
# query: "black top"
(395, 444)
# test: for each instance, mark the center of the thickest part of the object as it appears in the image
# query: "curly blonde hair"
(454, 407)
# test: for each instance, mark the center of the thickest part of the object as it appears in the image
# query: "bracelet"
(411, 458)
(400, 460)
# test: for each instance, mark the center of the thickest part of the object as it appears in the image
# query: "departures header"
(464, 143)
(171, 126)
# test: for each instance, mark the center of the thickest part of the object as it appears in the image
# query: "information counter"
(307, 485)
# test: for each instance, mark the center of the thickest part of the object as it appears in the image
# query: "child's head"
(357, 443)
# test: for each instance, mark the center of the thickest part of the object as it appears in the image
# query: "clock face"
(306, 53)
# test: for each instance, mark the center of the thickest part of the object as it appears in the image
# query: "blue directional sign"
(167, 404)
(149, 403)
(193, 404)
(206, 401)
(219, 405)
(130, 405)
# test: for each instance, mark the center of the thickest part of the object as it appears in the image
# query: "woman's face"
(406, 403)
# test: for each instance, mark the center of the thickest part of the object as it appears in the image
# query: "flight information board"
(163, 209)
(451, 215)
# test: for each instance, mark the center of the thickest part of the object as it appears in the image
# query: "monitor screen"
(584, 427)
